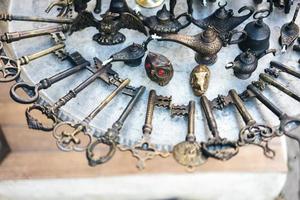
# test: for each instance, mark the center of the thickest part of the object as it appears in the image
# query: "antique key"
(111, 137)
(32, 91)
(9, 37)
(285, 120)
(283, 68)
(188, 153)
(10, 69)
(252, 133)
(267, 79)
(51, 112)
(216, 147)
(289, 32)
(8, 17)
(68, 140)
(144, 150)
(131, 55)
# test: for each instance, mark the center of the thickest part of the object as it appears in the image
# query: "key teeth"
(259, 84)
(272, 72)
(179, 110)
(163, 101)
(220, 102)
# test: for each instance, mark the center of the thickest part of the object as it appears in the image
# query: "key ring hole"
(100, 152)
(24, 93)
(37, 118)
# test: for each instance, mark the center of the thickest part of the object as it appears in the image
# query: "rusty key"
(285, 120)
(144, 150)
(111, 137)
(9, 37)
(216, 147)
(267, 79)
(68, 140)
(188, 153)
(10, 68)
(253, 133)
(32, 91)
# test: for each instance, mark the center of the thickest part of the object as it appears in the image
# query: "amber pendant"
(200, 79)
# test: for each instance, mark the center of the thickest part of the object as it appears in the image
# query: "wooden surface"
(35, 155)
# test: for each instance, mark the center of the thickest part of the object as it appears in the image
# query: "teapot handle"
(247, 8)
(263, 13)
(235, 32)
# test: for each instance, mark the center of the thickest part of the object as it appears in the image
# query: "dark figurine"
(258, 33)
(158, 68)
(223, 20)
(289, 32)
(246, 63)
(165, 21)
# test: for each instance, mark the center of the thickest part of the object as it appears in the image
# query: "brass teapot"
(206, 44)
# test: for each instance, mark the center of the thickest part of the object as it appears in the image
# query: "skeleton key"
(285, 120)
(51, 112)
(284, 68)
(144, 150)
(188, 153)
(33, 90)
(252, 133)
(10, 69)
(269, 80)
(216, 147)
(9, 37)
(68, 140)
(111, 137)
(8, 17)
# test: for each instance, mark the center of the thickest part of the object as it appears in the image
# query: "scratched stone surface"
(167, 132)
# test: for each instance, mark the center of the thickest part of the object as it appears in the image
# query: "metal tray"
(167, 131)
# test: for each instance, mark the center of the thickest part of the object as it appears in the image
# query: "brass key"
(9, 37)
(216, 147)
(253, 133)
(8, 17)
(10, 68)
(188, 153)
(68, 140)
(286, 121)
(267, 79)
(144, 150)
(111, 137)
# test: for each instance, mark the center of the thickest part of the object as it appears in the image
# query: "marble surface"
(167, 131)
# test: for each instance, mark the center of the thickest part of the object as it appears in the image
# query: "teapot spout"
(273, 51)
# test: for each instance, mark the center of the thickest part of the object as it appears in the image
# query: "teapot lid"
(163, 14)
(247, 57)
(222, 13)
(209, 35)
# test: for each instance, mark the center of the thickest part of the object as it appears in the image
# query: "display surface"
(167, 131)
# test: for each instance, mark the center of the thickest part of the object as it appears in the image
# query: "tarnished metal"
(281, 4)
(8, 17)
(258, 33)
(188, 153)
(149, 3)
(159, 68)
(33, 90)
(199, 79)
(9, 37)
(253, 133)
(206, 44)
(69, 140)
(246, 63)
(65, 6)
(216, 147)
(111, 136)
(10, 68)
(223, 20)
(283, 68)
(286, 122)
(267, 79)
(165, 21)
(289, 32)
(144, 149)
